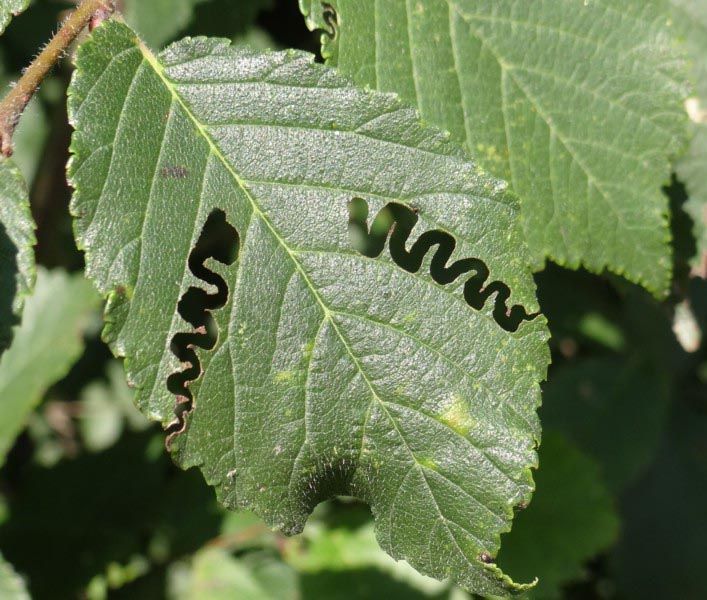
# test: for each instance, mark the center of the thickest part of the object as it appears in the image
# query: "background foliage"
(92, 507)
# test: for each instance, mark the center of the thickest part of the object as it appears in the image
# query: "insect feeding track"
(397, 222)
(220, 241)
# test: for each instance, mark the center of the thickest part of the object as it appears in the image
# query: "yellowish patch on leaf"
(457, 416)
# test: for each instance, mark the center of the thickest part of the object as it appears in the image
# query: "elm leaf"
(223, 198)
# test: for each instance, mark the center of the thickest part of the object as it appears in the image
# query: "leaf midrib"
(328, 315)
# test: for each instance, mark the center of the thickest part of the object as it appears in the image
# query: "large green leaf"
(333, 372)
(9, 9)
(46, 345)
(16, 252)
(11, 585)
(577, 104)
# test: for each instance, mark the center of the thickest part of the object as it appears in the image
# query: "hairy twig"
(88, 12)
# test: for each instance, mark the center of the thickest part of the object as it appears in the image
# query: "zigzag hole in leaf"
(219, 241)
(396, 222)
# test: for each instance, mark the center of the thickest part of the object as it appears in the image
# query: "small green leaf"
(577, 104)
(17, 271)
(9, 9)
(11, 585)
(46, 345)
(571, 519)
(335, 369)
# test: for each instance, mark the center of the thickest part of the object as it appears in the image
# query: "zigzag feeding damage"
(219, 241)
(396, 221)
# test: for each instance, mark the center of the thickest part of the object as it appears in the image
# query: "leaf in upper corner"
(9, 9)
(332, 372)
(690, 18)
(577, 104)
(12, 587)
(571, 519)
(46, 345)
(17, 271)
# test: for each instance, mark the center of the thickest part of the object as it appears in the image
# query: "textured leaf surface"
(10, 8)
(577, 104)
(46, 345)
(333, 372)
(16, 252)
(571, 519)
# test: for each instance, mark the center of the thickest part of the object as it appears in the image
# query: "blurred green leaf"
(214, 574)
(107, 408)
(31, 132)
(228, 19)
(45, 347)
(613, 408)
(662, 549)
(69, 523)
(341, 538)
(160, 21)
(361, 584)
(12, 587)
(17, 270)
(10, 8)
(570, 520)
